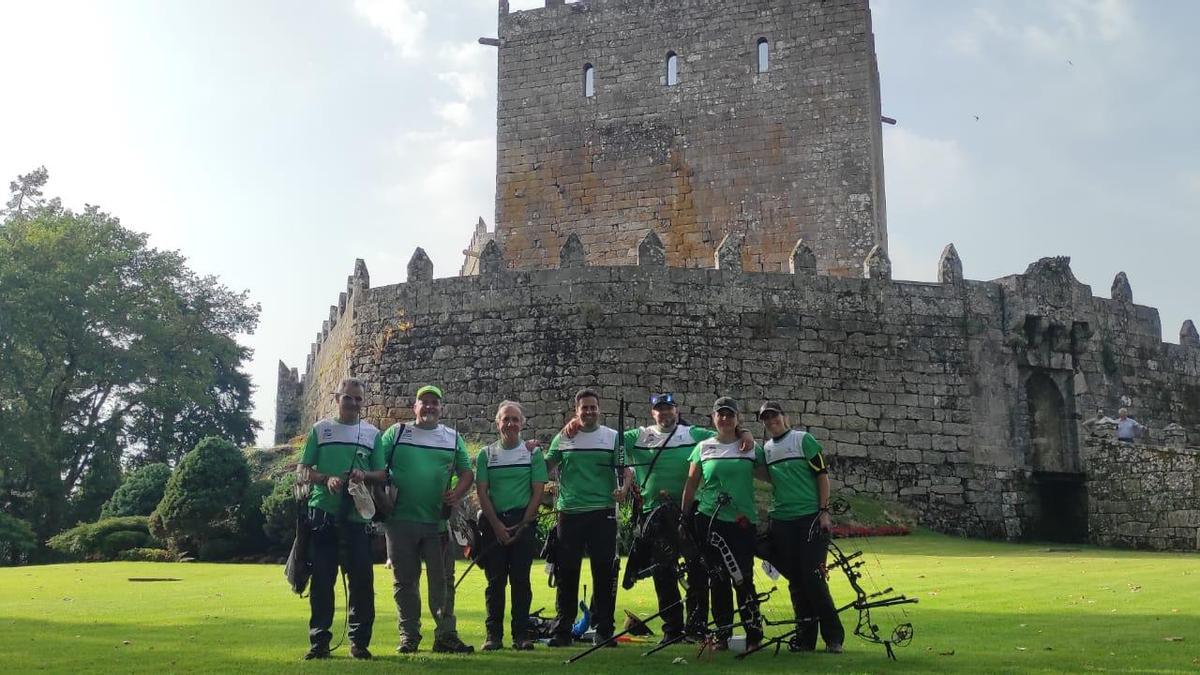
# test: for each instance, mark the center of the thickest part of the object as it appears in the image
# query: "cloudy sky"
(273, 142)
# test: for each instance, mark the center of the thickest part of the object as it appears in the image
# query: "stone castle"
(689, 198)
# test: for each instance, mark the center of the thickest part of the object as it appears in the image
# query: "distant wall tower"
(695, 119)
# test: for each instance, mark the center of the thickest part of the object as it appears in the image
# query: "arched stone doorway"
(1059, 489)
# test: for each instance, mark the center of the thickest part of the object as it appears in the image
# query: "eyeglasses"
(347, 397)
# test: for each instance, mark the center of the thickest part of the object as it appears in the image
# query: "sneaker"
(523, 645)
(317, 652)
(361, 653)
(493, 644)
(834, 648)
(407, 647)
(452, 645)
(560, 641)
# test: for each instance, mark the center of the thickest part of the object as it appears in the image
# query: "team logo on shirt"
(326, 433)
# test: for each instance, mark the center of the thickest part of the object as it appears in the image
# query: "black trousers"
(666, 587)
(802, 559)
(740, 540)
(337, 542)
(593, 532)
(507, 566)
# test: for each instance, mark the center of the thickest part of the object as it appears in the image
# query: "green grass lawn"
(984, 607)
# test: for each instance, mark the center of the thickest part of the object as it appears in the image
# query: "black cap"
(662, 399)
(725, 403)
(769, 405)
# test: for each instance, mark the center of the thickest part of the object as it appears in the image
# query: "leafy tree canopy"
(140, 493)
(111, 352)
(204, 498)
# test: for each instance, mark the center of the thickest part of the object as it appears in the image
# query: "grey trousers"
(408, 545)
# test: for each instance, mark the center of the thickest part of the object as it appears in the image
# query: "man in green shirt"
(423, 458)
(338, 451)
(800, 526)
(587, 496)
(509, 479)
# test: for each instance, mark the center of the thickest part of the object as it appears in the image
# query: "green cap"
(430, 389)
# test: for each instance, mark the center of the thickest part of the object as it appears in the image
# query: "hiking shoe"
(796, 645)
(605, 640)
(560, 641)
(407, 647)
(834, 648)
(452, 645)
(672, 638)
(317, 652)
(361, 653)
(523, 645)
(493, 644)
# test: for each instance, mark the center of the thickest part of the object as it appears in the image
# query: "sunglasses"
(662, 399)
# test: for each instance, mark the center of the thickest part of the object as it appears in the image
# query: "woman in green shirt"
(721, 479)
(509, 478)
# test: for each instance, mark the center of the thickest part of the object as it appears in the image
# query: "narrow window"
(672, 69)
(764, 55)
(589, 81)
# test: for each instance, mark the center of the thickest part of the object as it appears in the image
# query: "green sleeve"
(461, 461)
(378, 456)
(702, 434)
(481, 466)
(554, 454)
(630, 439)
(538, 465)
(694, 458)
(810, 445)
(309, 456)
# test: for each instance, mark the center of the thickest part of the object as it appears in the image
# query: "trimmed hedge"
(104, 539)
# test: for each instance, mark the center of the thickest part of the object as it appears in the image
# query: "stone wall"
(1143, 496)
(794, 152)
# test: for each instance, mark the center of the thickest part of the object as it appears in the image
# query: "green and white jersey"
(586, 479)
(510, 474)
(794, 461)
(333, 448)
(727, 470)
(423, 460)
(670, 457)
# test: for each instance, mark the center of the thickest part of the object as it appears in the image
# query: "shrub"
(17, 540)
(112, 545)
(103, 539)
(213, 550)
(147, 555)
(204, 497)
(279, 513)
(139, 494)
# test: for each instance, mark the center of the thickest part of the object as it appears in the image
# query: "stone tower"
(694, 119)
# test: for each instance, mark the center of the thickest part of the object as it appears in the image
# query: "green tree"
(204, 498)
(16, 540)
(105, 344)
(140, 493)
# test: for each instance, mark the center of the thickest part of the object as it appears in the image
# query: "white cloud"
(457, 114)
(1061, 30)
(403, 25)
(922, 173)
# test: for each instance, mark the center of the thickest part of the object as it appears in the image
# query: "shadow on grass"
(945, 641)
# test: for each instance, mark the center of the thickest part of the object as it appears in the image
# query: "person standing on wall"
(509, 479)
(800, 527)
(587, 522)
(336, 452)
(659, 456)
(1128, 428)
(721, 480)
(423, 457)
